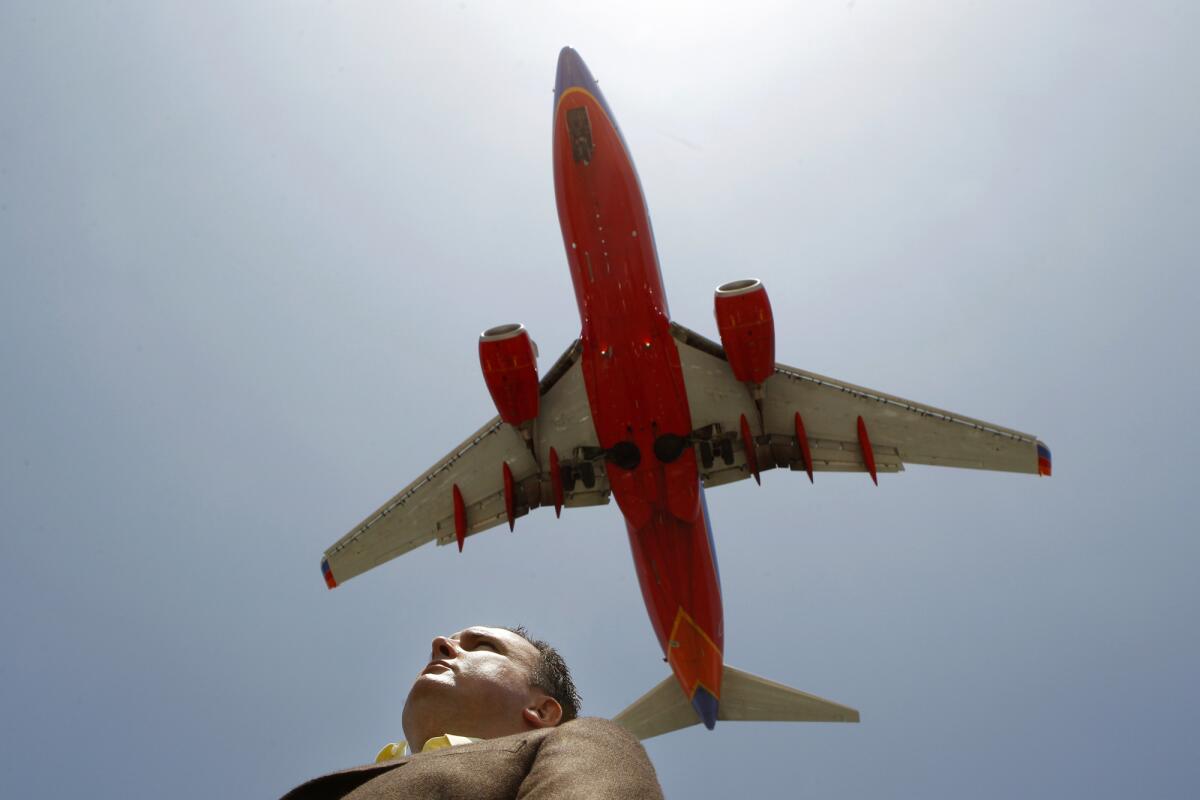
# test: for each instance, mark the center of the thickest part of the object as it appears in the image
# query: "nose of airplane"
(572, 72)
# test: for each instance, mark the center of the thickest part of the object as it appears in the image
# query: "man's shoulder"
(591, 758)
(589, 753)
(583, 731)
(593, 729)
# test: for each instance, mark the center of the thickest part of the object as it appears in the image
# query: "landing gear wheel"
(587, 473)
(568, 477)
(726, 447)
(706, 455)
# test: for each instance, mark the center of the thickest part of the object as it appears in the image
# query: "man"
(493, 715)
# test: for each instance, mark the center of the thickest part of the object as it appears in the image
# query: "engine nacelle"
(508, 358)
(747, 328)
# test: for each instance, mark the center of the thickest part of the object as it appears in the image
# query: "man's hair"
(550, 674)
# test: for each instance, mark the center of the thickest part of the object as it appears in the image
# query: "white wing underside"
(900, 432)
(423, 511)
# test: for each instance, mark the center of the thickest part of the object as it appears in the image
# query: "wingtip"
(1045, 466)
(330, 581)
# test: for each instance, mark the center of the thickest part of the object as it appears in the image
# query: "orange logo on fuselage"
(693, 656)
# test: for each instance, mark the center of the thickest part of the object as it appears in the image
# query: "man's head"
(488, 682)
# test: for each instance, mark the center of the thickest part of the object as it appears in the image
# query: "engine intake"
(508, 358)
(747, 327)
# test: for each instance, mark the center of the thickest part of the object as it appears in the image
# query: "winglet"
(1043, 459)
(330, 581)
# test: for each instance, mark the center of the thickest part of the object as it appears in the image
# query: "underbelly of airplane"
(636, 391)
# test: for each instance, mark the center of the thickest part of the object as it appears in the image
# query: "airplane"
(643, 410)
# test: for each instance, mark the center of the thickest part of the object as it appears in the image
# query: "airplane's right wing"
(478, 484)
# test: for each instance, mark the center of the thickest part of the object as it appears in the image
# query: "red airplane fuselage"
(634, 382)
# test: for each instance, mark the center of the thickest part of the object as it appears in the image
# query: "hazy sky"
(245, 253)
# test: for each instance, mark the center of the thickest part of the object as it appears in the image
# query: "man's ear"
(542, 711)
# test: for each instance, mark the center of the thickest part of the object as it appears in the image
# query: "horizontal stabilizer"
(747, 697)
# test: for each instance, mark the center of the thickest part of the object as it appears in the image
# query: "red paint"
(1043, 466)
(747, 327)
(556, 482)
(676, 570)
(510, 506)
(510, 370)
(630, 363)
(868, 454)
(751, 450)
(460, 518)
(802, 440)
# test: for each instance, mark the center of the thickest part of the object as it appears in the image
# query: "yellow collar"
(393, 750)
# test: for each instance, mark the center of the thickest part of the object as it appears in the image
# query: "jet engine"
(747, 328)
(508, 358)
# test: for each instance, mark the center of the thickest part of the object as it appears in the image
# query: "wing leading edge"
(478, 472)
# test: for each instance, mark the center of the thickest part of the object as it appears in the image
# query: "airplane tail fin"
(743, 697)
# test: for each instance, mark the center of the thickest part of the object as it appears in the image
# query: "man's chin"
(435, 680)
(431, 702)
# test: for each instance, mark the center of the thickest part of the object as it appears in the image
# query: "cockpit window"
(579, 128)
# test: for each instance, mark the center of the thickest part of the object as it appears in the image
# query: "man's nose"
(443, 647)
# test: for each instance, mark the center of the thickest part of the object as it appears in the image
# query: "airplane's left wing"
(495, 474)
(811, 422)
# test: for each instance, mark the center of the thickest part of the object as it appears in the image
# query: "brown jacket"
(586, 759)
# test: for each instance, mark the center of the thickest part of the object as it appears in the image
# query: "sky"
(245, 254)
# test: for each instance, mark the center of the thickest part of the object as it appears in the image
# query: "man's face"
(477, 683)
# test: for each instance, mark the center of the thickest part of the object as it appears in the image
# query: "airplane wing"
(813, 423)
(424, 511)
